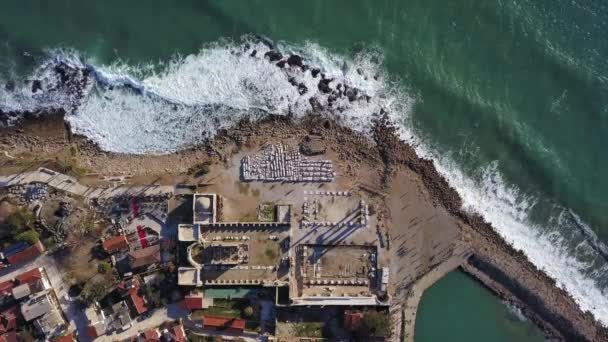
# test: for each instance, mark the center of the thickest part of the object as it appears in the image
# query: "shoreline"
(504, 270)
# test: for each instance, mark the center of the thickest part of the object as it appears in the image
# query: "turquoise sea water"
(509, 97)
(457, 309)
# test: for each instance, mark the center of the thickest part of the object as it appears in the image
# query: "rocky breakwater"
(495, 263)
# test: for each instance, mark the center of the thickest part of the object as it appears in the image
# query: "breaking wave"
(143, 110)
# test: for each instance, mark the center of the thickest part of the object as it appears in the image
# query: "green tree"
(26, 335)
(93, 291)
(30, 236)
(248, 311)
(104, 267)
(374, 323)
(21, 219)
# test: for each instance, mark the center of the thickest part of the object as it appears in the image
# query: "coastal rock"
(351, 93)
(315, 104)
(302, 89)
(273, 56)
(294, 60)
(281, 64)
(253, 53)
(324, 85)
(315, 72)
(292, 81)
(304, 67)
(36, 85)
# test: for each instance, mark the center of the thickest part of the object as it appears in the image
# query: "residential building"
(232, 325)
(144, 257)
(116, 244)
(28, 254)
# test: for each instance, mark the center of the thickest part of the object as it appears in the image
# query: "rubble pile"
(282, 163)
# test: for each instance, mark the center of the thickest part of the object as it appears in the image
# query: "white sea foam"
(139, 111)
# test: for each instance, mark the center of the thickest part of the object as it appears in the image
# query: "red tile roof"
(223, 322)
(193, 302)
(8, 319)
(130, 288)
(115, 244)
(144, 257)
(66, 338)
(10, 336)
(352, 320)
(151, 335)
(31, 276)
(30, 253)
(6, 288)
(138, 302)
(179, 333)
(92, 332)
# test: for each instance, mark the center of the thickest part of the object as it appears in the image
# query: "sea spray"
(143, 111)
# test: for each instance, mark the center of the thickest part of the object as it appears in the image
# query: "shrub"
(21, 219)
(93, 292)
(270, 253)
(200, 169)
(248, 311)
(30, 236)
(374, 323)
(104, 267)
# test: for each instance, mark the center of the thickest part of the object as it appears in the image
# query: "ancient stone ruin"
(278, 163)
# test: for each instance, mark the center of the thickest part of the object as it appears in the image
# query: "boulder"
(253, 53)
(294, 60)
(324, 85)
(314, 72)
(36, 85)
(351, 93)
(273, 56)
(302, 89)
(315, 104)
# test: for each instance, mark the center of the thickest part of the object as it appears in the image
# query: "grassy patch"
(311, 329)
(270, 253)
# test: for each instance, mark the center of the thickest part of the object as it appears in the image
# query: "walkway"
(71, 185)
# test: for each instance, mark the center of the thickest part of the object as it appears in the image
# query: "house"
(96, 322)
(10, 336)
(352, 320)
(115, 244)
(121, 316)
(21, 291)
(8, 319)
(65, 338)
(175, 334)
(13, 249)
(193, 302)
(6, 292)
(151, 335)
(130, 290)
(144, 257)
(28, 254)
(233, 325)
(36, 307)
(43, 311)
(34, 278)
(51, 324)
